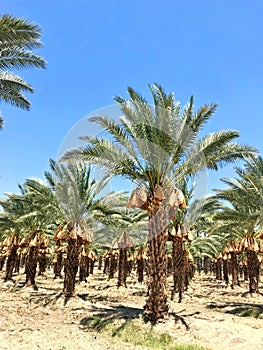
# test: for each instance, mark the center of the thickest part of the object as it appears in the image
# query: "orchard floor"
(36, 320)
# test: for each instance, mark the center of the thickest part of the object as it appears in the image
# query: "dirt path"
(208, 307)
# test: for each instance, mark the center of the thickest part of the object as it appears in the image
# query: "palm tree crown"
(159, 144)
(244, 196)
(17, 39)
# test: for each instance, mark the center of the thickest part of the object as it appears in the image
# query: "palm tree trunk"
(57, 267)
(31, 267)
(129, 266)
(178, 267)
(234, 266)
(106, 265)
(245, 272)
(91, 266)
(169, 265)
(140, 268)
(113, 265)
(42, 263)
(253, 266)
(219, 269)
(71, 267)
(100, 263)
(189, 271)
(84, 268)
(156, 307)
(199, 265)
(10, 263)
(225, 271)
(17, 263)
(122, 268)
(207, 265)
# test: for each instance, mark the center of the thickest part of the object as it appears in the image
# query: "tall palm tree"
(156, 148)
(17, 39)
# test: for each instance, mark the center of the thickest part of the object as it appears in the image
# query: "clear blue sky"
(212, 49)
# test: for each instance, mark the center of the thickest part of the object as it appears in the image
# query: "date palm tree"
(24, 223)
(18, 38)
(72, 198)
(243, 216)
(156, 147)
(185, 230)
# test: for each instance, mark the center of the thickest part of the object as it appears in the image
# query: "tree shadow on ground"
(239, 309)
(98, 298)
(104, 316)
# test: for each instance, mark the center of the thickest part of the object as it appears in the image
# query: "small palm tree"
(17, 39)
(71, 199)
(184, 229)
(156, 147)
(25, 223)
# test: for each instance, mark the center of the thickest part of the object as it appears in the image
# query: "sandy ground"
(34, 320)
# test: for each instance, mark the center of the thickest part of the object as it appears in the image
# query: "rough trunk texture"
(207, 265)
(106, 265)
(10, 263)
(17, 263)
(129, 266)
(122, 268)
(140, 269)
(253, 267)
(91, 266)
(31, 267)
(100, 263)
(84, 268)
(57, 268)
(178, 267)
(71, 267)
(219, 269)
(169, 265)
(42, 260)
(225, 271)
(189, 271)
(234, 269)
(199, 265)
(156, 307)
(245, 273)
(113, 265)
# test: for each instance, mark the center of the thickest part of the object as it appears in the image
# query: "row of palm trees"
(67, 207)
(241, 217)
(156, 146)
(72, 239)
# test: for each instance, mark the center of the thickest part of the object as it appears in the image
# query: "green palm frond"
(19, 31)
(159, 144)
(16, 58)
(213, 151)
(202, 116)
(11, 90)
(17, 38)
(244, 198)
(10, 81)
